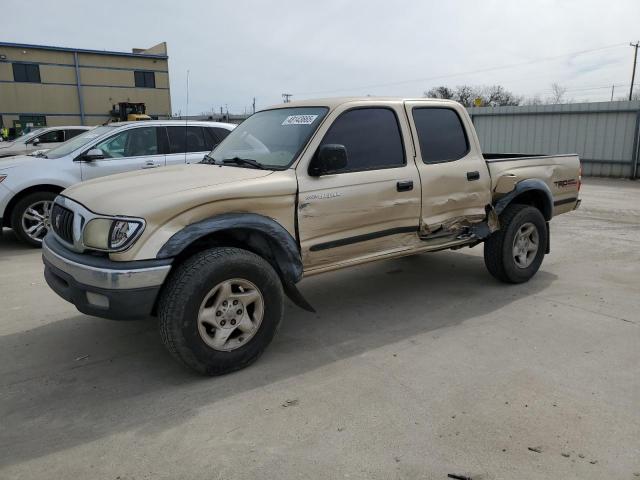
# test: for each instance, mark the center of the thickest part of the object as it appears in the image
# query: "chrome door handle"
(150, 165)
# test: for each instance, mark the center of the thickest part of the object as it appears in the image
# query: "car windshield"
(78, 141)
(271, 138)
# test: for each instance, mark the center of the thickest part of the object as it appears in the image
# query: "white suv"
(40, 139)
(29, 184)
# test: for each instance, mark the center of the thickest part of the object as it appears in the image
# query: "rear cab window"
(441, 134)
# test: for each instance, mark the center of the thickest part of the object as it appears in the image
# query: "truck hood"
(147, 192)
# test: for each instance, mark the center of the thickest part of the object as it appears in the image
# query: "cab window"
(371, 137)
(441, 134)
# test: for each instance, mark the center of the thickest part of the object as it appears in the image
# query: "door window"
(68, 134)
(441, 134)
(186, 139)
(54, 136)
(371, 136)
(136, 142)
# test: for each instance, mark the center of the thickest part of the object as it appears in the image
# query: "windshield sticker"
(299, 119)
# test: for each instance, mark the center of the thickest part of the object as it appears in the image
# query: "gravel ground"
(412, 368)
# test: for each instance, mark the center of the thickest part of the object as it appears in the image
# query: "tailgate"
(561, 173)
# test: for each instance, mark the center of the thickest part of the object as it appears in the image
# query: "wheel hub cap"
(230, 314)
(36, 219)
(525, 245)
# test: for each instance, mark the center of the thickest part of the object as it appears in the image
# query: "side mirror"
(35, 141)
(93, 154)
(330, 158)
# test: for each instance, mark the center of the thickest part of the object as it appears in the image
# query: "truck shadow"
(79, 379)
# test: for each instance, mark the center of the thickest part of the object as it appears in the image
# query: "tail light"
(579, 177)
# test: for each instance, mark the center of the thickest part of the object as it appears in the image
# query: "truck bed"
(561, 173)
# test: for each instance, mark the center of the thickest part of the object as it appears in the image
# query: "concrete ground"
(413, 368)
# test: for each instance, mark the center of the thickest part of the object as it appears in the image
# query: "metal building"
(44, 85)
(604, 134)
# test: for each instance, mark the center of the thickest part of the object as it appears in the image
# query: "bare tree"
(557, 93)
(440, 92)
(495, 95)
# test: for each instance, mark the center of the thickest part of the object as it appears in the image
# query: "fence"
(604, 134)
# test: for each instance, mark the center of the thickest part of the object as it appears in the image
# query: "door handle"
(150, 165)
(471, 176)
(404, 185)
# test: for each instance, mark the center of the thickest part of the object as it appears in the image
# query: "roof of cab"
(337, 101)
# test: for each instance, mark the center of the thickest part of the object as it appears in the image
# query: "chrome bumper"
(106, 277)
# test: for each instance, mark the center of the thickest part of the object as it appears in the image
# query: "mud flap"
(548, 240)
(296, 297)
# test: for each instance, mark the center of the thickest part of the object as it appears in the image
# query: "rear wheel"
(31, 217)
(220, 309)
(514, 253)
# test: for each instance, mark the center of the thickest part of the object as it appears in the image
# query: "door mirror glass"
(331, 158)
(93, 154)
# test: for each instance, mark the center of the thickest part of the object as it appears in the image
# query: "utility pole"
(613, 88)
(633, 73)
(286, 97)
(254, 105)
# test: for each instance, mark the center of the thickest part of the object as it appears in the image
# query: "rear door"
(456, 186)
(187, 144)
(371, 207)
(132, 149)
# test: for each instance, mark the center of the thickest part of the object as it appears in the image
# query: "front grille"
(62, 222)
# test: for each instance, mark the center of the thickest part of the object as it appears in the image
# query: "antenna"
(186, 121)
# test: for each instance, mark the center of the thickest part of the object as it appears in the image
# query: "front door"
(132, 149)
(372, 206)
(456, 187)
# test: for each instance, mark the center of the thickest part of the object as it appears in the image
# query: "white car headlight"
(111, 234)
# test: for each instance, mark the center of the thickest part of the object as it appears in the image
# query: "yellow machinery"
(129, 112)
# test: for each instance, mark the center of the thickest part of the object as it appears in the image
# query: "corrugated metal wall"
(604, 134)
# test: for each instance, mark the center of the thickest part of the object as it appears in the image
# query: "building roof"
(82, 50)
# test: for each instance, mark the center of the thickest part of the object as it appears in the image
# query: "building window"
(145, 79)
(26, 72)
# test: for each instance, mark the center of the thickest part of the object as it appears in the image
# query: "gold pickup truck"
(298, 189)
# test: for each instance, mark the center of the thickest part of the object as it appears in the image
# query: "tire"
(36, 200)
(499, 246)
(188, 291)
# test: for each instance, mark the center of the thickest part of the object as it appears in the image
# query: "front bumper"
(100, 287)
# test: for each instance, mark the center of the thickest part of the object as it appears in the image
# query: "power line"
(439, 77)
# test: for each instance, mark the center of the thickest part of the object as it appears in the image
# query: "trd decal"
(566, 183)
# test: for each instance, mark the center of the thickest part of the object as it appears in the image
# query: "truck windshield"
(78, 141)
(271, 138)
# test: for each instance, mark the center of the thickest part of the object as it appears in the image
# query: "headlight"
(111, 234)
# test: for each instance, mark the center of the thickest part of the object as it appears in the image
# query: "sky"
(241, 49)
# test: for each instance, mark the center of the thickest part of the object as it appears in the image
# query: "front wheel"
(220, 309)
(514, 253)
(31, 217)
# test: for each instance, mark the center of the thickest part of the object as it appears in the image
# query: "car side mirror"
(330, 158)
(35, 141)
(93, 154)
